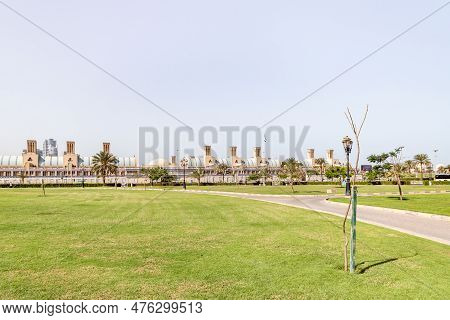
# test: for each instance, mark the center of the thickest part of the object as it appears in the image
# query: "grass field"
(432, 203)
(117, 244)
(315, 189)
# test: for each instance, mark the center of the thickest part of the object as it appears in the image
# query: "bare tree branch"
(356, 131)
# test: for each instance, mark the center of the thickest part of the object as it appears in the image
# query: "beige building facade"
(72, 167)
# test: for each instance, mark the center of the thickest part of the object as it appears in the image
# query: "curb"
(399, 211)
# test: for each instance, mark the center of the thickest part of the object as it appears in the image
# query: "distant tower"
(259, 160)
(330, 157)
(310, 157)
(106, 147)
(30, 156)
(235, 160)
(257, 152)
(208, 158)
(70, 158)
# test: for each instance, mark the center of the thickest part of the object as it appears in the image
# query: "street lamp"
(184, 164)
(347, 143)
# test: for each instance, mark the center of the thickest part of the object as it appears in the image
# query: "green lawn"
(315, 189)
(432, 203)
(117, 244)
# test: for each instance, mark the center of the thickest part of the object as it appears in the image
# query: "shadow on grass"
(374, 263)
(397, 198)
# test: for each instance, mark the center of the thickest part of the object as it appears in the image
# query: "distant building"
(330, 160)
(50, 148)
(70, 166)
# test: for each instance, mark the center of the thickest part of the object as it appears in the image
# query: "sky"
(225, 63)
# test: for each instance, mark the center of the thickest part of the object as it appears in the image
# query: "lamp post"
(347, 143)
(435, 166)
(184, 163)
(82, 172)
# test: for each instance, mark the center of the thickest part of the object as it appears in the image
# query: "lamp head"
(347, 143)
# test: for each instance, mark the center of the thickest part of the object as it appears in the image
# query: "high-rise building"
(50, 148)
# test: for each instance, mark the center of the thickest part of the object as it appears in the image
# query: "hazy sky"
(225, 63)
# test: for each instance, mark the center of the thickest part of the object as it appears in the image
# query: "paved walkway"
(429, 226)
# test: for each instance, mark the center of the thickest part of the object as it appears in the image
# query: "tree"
(222, 169)
(292, 170)
(443, 169)
(422, 159)
(198, 174)
(154, 174)
(22, 176)
(264, 173)
(380, 167)
(336, 172)
(410, 165)
(104, 164)
(310, 172)
(397, 168)
(166, 177)
(254, 176)
(356, 131)
(321, 163)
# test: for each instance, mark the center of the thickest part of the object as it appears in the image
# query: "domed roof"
(11, 161)
(53, 161)
(274, 163)
(194, 162)
(157, 163)
(226, 161)
(253, 163)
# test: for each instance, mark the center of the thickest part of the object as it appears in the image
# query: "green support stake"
(43, 186)
(353, 231)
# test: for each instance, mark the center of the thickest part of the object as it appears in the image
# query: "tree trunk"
(104, 180)
(399, 184)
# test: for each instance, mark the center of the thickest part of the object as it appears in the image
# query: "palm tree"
(422, 159)
(321, 163)
(104, 164)
(222, 169)
(22, 176)
(264, 173)
(198, 174)
(292, 170)
(397, 168)
(410, 165)
(441, 169)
